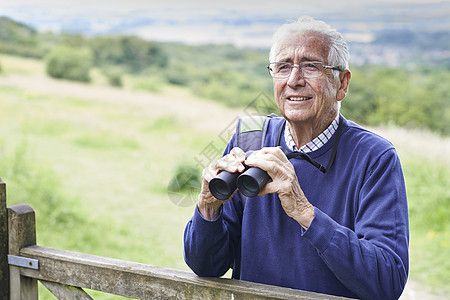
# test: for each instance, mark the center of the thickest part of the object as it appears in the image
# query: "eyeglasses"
(308, 69)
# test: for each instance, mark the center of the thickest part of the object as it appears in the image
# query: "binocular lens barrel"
(249, 183)
(252, 181)
(223, 185)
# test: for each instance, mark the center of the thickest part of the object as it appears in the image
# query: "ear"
(344, 79)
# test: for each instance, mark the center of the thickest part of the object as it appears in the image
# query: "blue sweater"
(357, 244)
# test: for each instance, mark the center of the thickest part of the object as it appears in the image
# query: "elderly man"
(343, 232)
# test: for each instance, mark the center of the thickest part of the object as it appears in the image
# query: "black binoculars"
(250, 182)
(253, 180)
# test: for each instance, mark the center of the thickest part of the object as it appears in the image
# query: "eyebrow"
(306, 58)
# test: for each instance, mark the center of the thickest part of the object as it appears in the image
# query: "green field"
(95, 161)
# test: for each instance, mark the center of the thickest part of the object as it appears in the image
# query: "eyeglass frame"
(336, 68)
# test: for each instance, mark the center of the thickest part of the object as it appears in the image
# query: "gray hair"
(338, 53)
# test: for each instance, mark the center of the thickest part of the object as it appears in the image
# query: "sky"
(244, 22)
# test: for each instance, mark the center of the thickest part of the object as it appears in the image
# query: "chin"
(296, 116)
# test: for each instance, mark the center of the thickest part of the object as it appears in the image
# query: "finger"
(269, 188)
(210, 172)
(235, 159)
(265, 163)
(275, 151)
(279, 169)
(231, 164)
(238, 153)
(279, 186)
(266, 158)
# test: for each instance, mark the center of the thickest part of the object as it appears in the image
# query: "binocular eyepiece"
(250, 182)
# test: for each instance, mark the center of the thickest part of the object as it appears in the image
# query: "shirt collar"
(316, 143)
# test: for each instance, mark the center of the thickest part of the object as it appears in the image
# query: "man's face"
(306, 101)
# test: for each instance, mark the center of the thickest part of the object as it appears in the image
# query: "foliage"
(222, 73)
(35, 183)
(18, 39)
(114, 76)
(135, 54)
(412, 96)
(96, 171)
(70, 63)
(418, 99)
(13, 30)
(186, 178)
(58, 223)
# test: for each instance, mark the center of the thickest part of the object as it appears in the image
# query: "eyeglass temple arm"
(332, 68)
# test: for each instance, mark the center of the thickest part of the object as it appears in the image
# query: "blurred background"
(109, 110)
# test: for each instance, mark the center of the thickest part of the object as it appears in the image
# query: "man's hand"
(208, 205)
(284, 182)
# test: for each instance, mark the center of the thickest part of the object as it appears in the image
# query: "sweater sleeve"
(211, 247)
(205, 246)
(372, 259)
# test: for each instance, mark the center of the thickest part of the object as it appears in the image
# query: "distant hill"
(408, 38)
(403, 47)
(10, 29)
(391, 47)
(18, 38)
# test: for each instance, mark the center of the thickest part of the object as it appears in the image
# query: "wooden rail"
(66, 273)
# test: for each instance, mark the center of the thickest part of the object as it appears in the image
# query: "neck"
(304, 132)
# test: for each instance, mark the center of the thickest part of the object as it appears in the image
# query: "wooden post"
(4, 269)
(22, 233)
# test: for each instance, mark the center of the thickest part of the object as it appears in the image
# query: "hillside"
(389, 80)
(192, 111)
(111, 153)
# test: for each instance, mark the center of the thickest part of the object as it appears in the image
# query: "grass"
(86, 160)
(86, 163)
(429, 209)
(118, 172)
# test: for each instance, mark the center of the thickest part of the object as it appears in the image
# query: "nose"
(296, 77)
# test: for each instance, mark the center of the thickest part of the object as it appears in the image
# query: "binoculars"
(250, 182)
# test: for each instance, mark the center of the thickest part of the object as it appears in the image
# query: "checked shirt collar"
(316, 143)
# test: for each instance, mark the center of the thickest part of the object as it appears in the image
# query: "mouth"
(299, 99)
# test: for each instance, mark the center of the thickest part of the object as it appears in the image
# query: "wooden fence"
(66, 273)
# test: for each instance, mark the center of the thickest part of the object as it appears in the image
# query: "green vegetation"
(58, 223)
(415, 97)
(187, 176)
(36, 183)
(408, 98)
(133, 54)
(96, 170)
(90, 160)
(70, 63)
(114, 76)
(85, 163)
(19, 39)
(429, 208)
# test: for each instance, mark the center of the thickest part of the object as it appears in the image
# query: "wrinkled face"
(306, 102)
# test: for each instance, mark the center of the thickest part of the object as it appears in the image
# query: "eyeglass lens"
(307, 69)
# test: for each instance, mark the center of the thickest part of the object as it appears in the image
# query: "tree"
(130, 52)
(69, 63)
